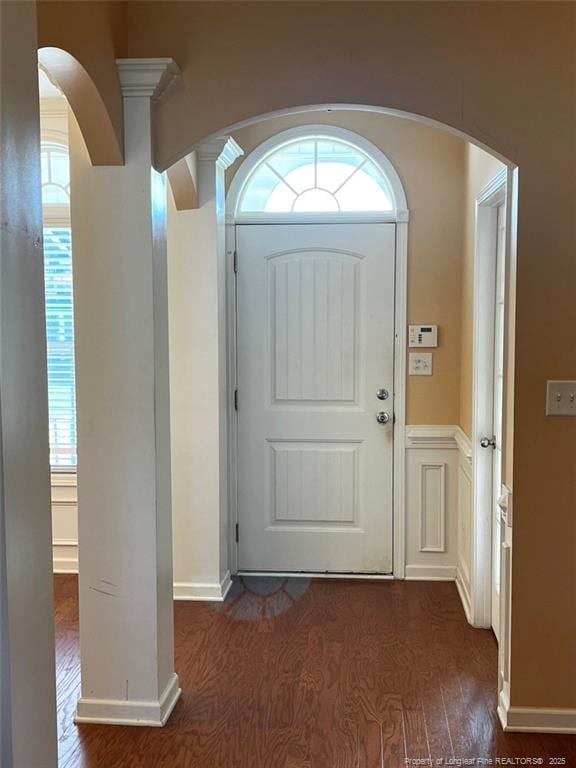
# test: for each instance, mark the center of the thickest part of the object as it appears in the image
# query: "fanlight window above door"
(316, 174)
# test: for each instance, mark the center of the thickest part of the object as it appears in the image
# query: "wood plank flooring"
(320, 674)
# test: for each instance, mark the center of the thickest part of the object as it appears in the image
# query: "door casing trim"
(487, 203)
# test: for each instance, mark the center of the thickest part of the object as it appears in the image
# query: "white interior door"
(315, 342)
(499, 330)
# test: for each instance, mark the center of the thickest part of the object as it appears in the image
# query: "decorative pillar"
(124, 494)
(27, 692)
(201, 395)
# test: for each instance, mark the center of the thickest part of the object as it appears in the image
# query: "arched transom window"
(316, 174)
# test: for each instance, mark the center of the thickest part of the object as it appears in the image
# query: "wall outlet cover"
(420, 363)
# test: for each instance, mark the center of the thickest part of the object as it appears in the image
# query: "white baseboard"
(65, 560)
(462, 588)
(213, 592)
(65, 556)
(120, 712)
(430, 572)
(536, 719)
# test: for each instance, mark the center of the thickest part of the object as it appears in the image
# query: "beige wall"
(503, 73)
(431, 164)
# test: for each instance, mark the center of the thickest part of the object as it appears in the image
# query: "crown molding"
(146, 77)
(222, 149)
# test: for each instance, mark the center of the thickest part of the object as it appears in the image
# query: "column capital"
(221, 149)
(146, 77)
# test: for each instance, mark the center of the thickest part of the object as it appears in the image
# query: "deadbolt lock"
(382, 394)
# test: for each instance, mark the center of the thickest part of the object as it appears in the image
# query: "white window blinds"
(60, 344)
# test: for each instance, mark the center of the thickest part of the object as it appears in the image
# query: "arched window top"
(55, 173)
(318, 172)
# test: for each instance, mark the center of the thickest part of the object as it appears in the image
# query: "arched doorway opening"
(446, 534)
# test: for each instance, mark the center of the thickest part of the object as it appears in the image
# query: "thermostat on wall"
(422, 335)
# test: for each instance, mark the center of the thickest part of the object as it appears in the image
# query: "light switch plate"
(420, 363)
(561, 398)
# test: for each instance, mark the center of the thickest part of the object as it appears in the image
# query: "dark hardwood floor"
(321, 674)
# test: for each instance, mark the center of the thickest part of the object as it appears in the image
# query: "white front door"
(315, 341)
(499, 330)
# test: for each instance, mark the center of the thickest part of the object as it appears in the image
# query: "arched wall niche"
(103, 139)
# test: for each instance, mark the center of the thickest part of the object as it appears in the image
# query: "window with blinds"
(59, 303)
(60, 345)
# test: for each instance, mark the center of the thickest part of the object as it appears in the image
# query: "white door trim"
(487, 203)
(400, 217)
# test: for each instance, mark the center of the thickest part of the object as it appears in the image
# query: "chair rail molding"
(431, 436)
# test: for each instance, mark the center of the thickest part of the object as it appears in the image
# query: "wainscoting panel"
(431, 502)
(465, 511)
(65, 522)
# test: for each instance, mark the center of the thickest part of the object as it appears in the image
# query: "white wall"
(192, 286)
(28, 699)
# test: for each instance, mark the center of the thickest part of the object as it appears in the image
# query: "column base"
(137, 712)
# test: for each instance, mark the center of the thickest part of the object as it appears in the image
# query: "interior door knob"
(488, 442)
(382, 417)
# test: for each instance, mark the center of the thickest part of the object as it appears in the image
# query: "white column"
(200, 393)
(124, 494)
(27, 697)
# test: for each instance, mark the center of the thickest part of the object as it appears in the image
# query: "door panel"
(315, 341)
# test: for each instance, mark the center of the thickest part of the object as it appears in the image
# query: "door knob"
(382, 417)
(382, 394)
(488, 442)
